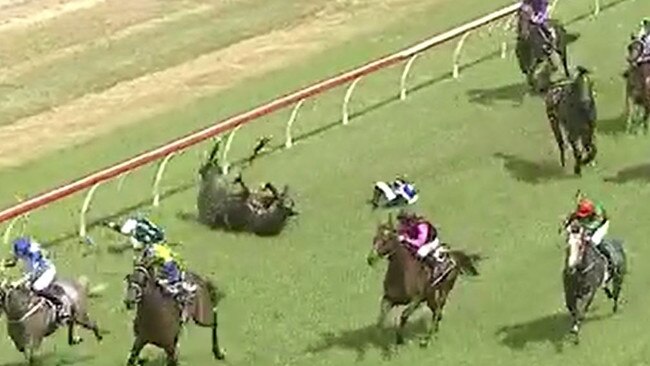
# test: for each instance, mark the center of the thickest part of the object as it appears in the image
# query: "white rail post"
(158, 179)
(294, 113)
(121, 179)
(596, 7)
(224, 156)
(84, 209)
(402, 81)
(456, 57)
(6, 237)
(504, 44)
(346, 100)
(551, 8)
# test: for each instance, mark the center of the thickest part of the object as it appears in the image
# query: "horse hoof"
(424, 343)
(219, 354)
(75, 341)
(399, 340)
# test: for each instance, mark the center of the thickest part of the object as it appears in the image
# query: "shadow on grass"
(639, 172)
(553, 329)
(363, 339)
(513, 93)
(53, 359)
(612, 126)
(532, 172)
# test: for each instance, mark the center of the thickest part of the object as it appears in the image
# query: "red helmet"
(585, 208)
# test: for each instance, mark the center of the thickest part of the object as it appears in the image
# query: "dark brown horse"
(158, 316)
(31, 318)
(408, 281)
(637, 89)
(571, 110)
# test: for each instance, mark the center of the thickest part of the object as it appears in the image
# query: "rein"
(32, 310)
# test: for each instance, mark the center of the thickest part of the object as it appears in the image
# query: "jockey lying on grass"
(141, 232)
(397, 191)
(422, 236)
(170, 273)
(39, 273)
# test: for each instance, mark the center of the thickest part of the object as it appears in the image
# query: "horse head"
(634, 50)
(136, 283)
(210, 167)
(385, 241)
(576, 245)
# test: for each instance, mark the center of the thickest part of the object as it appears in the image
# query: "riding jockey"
(141, 231)
(40, 272)
(170, 272)
(398, 189)
(539, 14)
(422, 236)
(595, 221)
(644, 37)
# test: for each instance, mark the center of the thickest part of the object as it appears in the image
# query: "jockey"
(644, 37)
(539, 13)
(169, 269)
(40, 272)
(420, 235)
(398, 189)
(594, 219)
(140, 231)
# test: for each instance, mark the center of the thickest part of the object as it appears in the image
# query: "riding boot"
(610, 265)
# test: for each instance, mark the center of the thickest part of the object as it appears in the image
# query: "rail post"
(6, 236)
(158, 179)
(456, 56)
(120, 180)
(294, 113)
(596, 7)
(346, 100)
(84, 209)
(402, 81)
(226, 150)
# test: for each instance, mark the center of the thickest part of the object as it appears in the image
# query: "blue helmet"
(21, 246)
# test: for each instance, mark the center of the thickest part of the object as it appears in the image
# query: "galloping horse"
(31, 318)
(531, 51)
(571, 107)
(637, 88)
(585, 271)
(408, 281)
(158, 316)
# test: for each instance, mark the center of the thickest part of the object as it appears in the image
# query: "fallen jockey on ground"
(397, 191)
(593, 218)
(39, 274)
(420, 235)
(140, 231)
(169, 271)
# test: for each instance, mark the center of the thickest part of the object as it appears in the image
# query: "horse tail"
(94, 291)
(466, 262)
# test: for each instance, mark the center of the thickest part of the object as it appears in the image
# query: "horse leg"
(376, 195)
(134, 355)
(72, 339)
(172, 354)
(577, 157)
(557, 133)
(87, 323)
(617, 285)
(384, 308)
(406, 314)
(216, 350)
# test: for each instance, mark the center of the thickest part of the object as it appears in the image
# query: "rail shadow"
(532, 172)
(513, 93)
(363, 339)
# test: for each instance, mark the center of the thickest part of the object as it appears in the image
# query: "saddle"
(56, 298)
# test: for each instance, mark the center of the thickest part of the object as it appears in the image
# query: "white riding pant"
(600, 234)
(386, 190)
(45, 279)
(428, 248)
(403, 194)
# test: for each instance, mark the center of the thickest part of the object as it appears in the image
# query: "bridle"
(135, 286)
